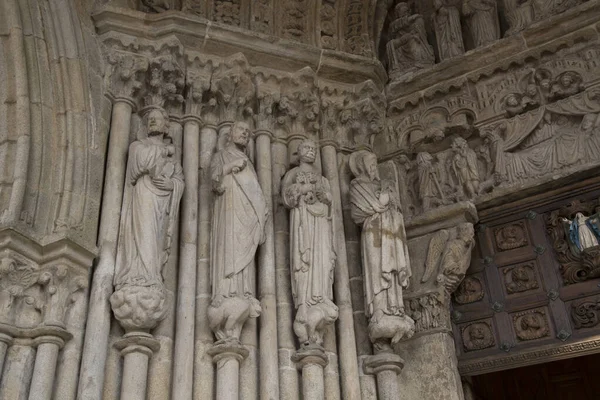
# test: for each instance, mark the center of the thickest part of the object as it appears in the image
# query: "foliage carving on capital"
(61, 286)
(233, 89)
(125, 75)
(299, 108)
(267, 96)
(17, 276)
(364, 116)
(197, 85)
(165, 81)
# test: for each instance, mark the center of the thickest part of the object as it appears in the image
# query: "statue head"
(588, 122)
(402, 9)
(465, 232)
(566, 80)
(307, 151)
(459, 144)
(364, 163)
(157, 121)
(424, 158)
(511, 100)
(240, 134)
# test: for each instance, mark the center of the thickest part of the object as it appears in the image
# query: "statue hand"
(384, 198)
(163, 183)
(239, 165)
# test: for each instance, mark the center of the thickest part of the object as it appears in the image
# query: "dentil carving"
(448, 31)
(408, 48)
(511, 236)
(238, 222)
(531, 324)
(154, 186)
(469, 291)
(585, 314)
(312, 257)
(482, 21)
(376, 208)
(449, 255)
(477, 336)
(520, 278)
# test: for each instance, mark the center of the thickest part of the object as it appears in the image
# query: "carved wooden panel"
(520, 293)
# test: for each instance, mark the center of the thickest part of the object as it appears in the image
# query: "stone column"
(98, 319)
(42, 381)
(288, 374)
(386, 367)
(5, 342)
(345, 328)
(203, 366)
(431, 352)
(227, 357)
(136, 349)
(182, 386)
(269, 379)
(311, 362)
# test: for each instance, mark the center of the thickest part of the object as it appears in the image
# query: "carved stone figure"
(469, 291)
(448, 31)
(386, 263)
(430, 191)
(531, 324)
(156, 6)
(429, 312)
(543, 9)
(520, 279)
(154, 186)
(567, 84)
(464, 166)
(482, 21)
(477, 336)
(312, 256)
(511, 236)
(238, 221)
(408, 48)
(519, 14)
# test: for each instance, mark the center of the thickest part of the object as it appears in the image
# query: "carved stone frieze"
(430, 312)
(329, 19)
(577, 263)
(585, 314)
(295, 20)
(477, 336)
(261, 16)
(17, 276)
(469, 291)
(356, 36)
(531, 324)
(511, 236)
(520, 278)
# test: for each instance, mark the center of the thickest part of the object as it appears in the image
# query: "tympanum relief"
(154, 186)
(477, 336)
(385, 258)
(312, 253)
(574, 231)
(531, 324)
(238, 223)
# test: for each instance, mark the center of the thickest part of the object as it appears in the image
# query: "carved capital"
(125, 75)
(196, 87)
(164, 84)
(298, 108)
(61, 285)
(232, 89)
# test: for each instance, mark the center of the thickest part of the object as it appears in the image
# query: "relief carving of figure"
(154, 186)
(408, 49)
(567, 84)
(430, 191)
(519, 14)
(482, 20)
(238, 221)
(530, 325)
(477, 336)
(386, 263)
(464, 167)
(312, 256)
(448, 31)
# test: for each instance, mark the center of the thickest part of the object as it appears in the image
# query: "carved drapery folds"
(448, 30)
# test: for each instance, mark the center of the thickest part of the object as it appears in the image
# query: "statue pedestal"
(228, 356)
(311, 361)
(136, 349)
(387, 367)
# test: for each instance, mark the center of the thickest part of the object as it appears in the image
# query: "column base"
(383, 362)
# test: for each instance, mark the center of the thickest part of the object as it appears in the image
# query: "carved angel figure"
(154, 186)
(238, 221)
(384, 248)
(408, 48)
(449, 253)
(482, 20)
(312, 256)
(448, 31)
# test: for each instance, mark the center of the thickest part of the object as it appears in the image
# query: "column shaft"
(346, 338)
(43, 372)
(186, 283)
(135, 375)
(387, 385)
(228, 376)
(203, 365)
(4, 342)
(313, 385)
(98, 320)
(18, 369)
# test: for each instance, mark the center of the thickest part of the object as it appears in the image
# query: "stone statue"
(154, 186)
(430, 191)
(464, 167)
(543, 9)
(238, 222)
(408, 47)
(519, 14)
(448, 31)
(482, 21)
(386, 263)
(312, 256)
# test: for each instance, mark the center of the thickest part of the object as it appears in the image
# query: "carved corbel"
(233, 90)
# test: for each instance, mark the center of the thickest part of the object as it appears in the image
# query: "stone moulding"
(223, 40)
(543, 354)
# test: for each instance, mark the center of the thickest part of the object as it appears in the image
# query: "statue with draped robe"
(482, 20)
(238, 226)
(385, 257)
(154, 186)
(312, 250)
(448, 31)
